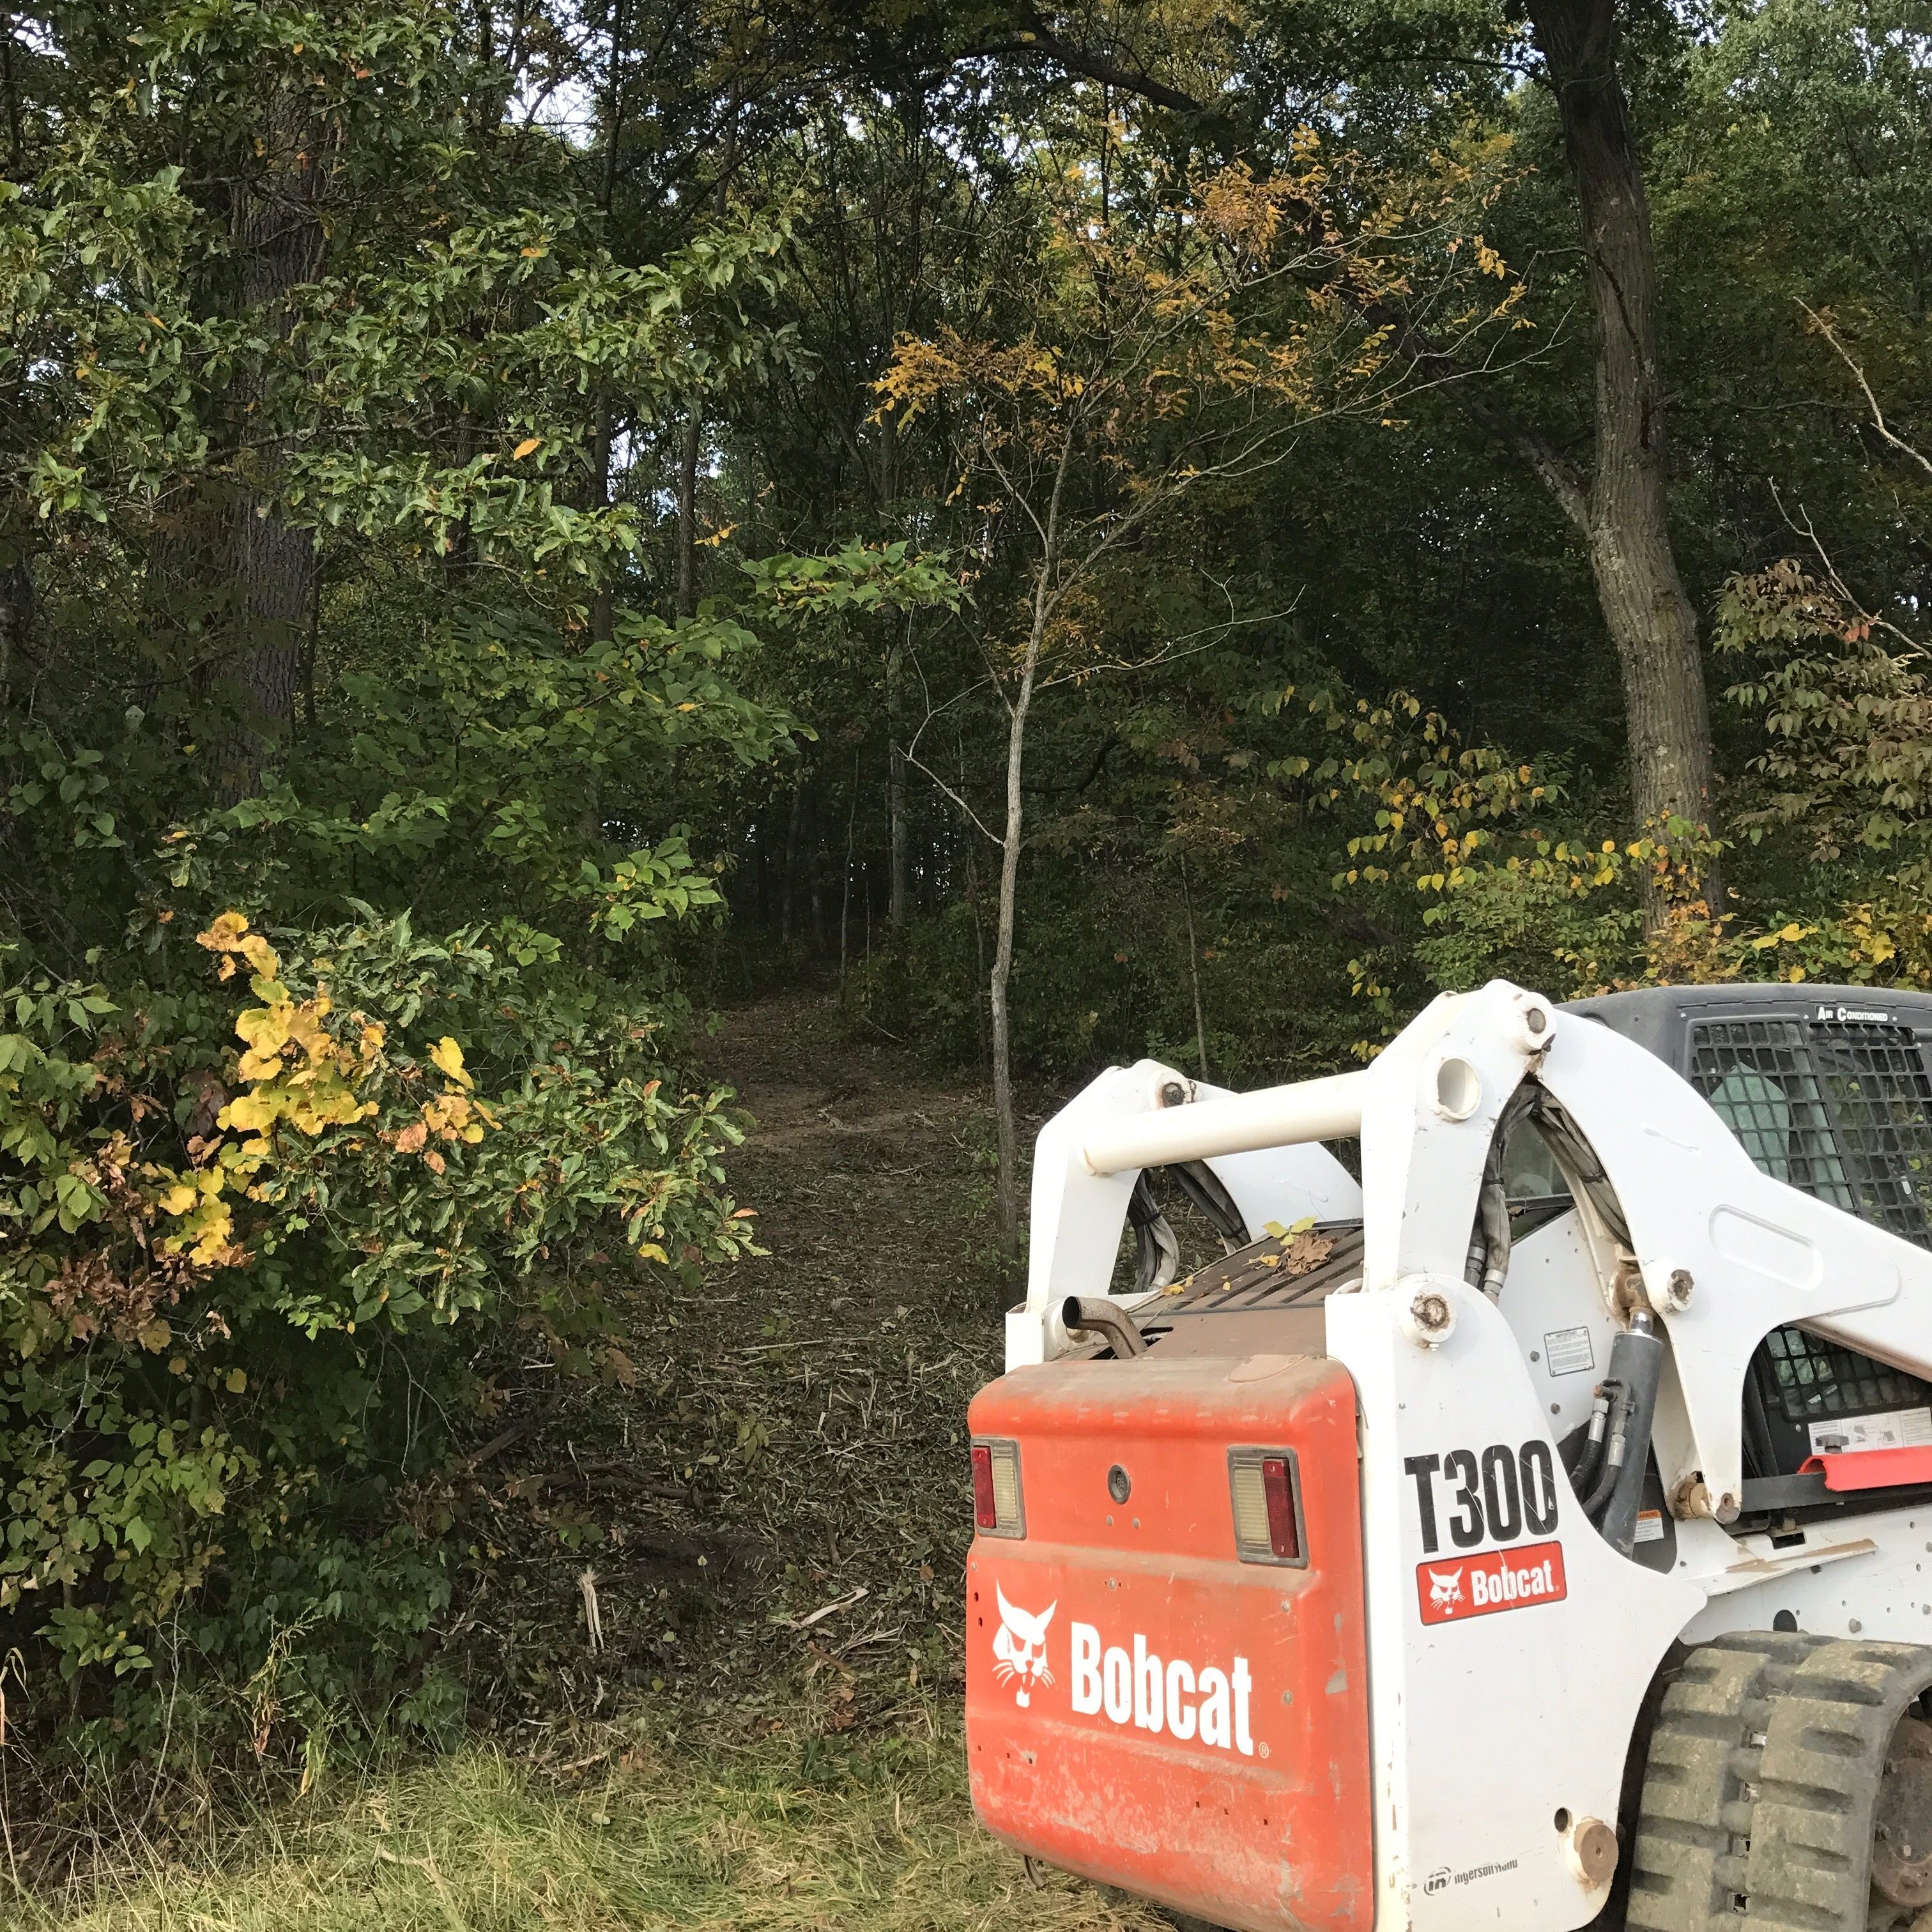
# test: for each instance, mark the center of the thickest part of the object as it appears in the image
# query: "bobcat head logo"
(1019, 1649)
(1445, 1592)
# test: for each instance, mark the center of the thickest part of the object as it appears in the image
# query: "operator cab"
(1827, 1090)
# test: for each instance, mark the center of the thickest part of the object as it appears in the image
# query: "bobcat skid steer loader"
(1539, 1531)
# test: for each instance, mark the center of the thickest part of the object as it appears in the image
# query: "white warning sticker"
(1650, 1525)
(1566, 1351)
(1897, 1429)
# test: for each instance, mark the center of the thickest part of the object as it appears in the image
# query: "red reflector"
(1279, 1485)
(985, 1511)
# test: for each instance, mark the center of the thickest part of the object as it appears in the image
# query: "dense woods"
(1143, 526)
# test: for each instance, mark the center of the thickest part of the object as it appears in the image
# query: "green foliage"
(247, 1237)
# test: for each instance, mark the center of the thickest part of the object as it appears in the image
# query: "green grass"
(778, 1837)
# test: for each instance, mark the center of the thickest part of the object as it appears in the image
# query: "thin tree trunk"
(1003, 1123)
(1194, 971)
(895, 784)
(16, 611)
(687, 513)
(789, 877)
(603, 602)
(1623, 518)
(845, 894)
(694, 427)
(970, 832)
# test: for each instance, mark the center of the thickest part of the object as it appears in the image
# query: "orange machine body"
(1143, 1707)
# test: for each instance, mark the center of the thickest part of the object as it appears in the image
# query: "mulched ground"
(773, 1519)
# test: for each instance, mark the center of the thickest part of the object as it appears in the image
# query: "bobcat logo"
(1019, 1649)
(1445, 1592)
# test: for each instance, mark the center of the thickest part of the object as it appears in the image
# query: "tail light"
(999, 1507)
(1265, 1487)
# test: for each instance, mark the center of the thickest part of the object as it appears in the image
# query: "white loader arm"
(1078, 1209)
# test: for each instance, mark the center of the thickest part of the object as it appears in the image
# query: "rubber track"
(1810, 1866)
(1694, 1831)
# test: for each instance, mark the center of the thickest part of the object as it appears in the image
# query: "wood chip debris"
(823, 1611)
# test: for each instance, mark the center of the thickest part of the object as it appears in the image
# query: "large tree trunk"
(1623, 515)
(279, 245)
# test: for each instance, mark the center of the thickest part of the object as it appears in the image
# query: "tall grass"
(783, 1836)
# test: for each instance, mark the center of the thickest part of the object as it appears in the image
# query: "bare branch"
(1878, 422)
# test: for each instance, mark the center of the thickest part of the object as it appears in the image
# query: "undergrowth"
(789, 1833)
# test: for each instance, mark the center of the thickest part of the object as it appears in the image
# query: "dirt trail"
(777, 1506)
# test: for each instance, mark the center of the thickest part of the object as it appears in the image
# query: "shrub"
(257, 1212)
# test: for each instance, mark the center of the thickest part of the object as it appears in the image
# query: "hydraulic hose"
(1590, 1452)
(1157, 1253)
(1637, 1359)
(1594, 1503)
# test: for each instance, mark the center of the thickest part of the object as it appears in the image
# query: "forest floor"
(765, 1503)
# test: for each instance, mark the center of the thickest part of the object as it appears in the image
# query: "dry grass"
(772, 1839)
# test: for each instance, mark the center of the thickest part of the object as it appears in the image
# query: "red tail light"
(984, 1513)
(1284, 1532)
(999, 1509)
(1264, 1488)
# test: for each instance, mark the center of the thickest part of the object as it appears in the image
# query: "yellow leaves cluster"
(297, 1069)
(455, 1115)
(300, 1072)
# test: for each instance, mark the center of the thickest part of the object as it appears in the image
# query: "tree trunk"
(603, 601)
(895, 784)
(1624, 517)
(1003, 1124)
(687, 514)
(788, 878)
(279, 245)
(17, 613)
(1194, 971)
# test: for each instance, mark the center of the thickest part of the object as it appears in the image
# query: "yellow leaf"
(179, 1199)
(225, 935)
(260, 955)
(236, 1381)
(530, 443)
(449, 1056)
(250, 1113)
(155, 1335)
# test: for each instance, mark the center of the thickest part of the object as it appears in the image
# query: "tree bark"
(603, 601)
(1004, 1126)
(279, 245)
(900, 906)
(687, 514)
(788, 883)
(1624, 517)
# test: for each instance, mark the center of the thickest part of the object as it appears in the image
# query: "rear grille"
(1843, 1110)
(1759, 1075)
(1875, 1083)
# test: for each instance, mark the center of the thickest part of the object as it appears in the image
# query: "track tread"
(1705, 1761)
(1810, 1868)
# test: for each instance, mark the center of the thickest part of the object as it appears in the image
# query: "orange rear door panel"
(1142, 1707)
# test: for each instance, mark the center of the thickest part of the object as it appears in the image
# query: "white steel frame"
(1487, 1732)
